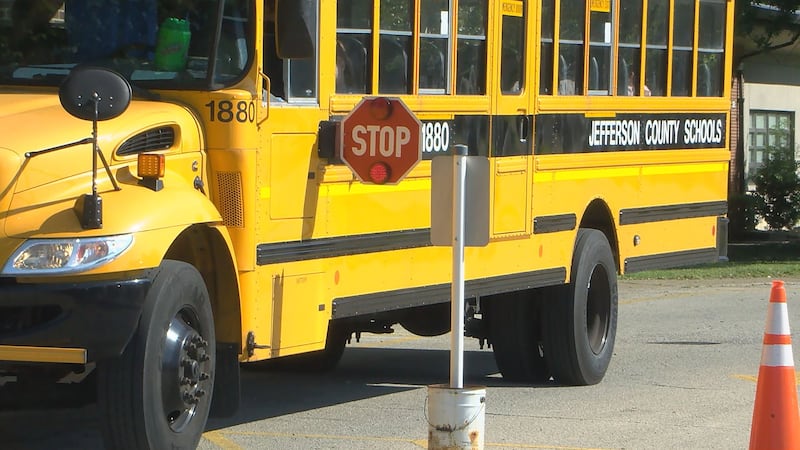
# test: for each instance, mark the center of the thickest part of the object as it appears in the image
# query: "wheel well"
(598, 216)
(205, 249)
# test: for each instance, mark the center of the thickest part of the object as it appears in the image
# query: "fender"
(155, 218)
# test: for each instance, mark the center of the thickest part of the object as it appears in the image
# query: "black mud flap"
(227, 382)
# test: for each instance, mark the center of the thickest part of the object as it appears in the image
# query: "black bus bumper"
(68, 323)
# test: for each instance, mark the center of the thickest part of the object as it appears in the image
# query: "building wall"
(772, 83)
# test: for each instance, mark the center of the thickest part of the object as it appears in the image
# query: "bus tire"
(428, 320)
(157, 394)
(514, 326)
(580, 324)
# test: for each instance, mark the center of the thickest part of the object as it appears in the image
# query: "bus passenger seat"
(566, 86)
(351, 66)
(393, 77)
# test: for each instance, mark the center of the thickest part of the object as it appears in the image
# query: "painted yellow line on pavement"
(315, 436)
(754, 378)
(632, 301)
(217, 438)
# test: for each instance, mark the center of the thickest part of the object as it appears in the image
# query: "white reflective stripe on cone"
(778, 319)
(777, 356)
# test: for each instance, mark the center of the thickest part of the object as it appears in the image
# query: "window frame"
(755, 151)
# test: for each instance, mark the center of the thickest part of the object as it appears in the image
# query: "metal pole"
(457, 300)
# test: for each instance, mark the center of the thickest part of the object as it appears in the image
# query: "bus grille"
(156, 139)
(18, 319)
(229, 186)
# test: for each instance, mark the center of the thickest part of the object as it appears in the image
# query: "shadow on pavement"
(363, 373)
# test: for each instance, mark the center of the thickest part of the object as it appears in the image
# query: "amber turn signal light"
(150, 165)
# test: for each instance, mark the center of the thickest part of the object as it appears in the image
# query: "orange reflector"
(379, 172)
(150, 165)
(381, 108)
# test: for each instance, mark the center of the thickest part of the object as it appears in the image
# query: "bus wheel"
(157, 394)
(514, 328)
(428, 320)
(580, 324)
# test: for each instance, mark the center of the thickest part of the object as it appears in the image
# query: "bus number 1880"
(435, 137)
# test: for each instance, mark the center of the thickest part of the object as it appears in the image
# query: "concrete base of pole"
(456, 417)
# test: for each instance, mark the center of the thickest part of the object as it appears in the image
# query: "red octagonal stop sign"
(380, 140)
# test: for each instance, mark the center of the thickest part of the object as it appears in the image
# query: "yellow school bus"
(173, 201)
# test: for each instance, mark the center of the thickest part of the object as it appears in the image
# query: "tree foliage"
(778, 186)
(769, 24)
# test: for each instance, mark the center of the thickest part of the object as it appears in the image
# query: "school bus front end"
(204, 218)
(111, 243)
(72, 290)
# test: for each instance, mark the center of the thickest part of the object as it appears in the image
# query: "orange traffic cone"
(776, 418)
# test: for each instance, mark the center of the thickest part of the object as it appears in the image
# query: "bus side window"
(292, 69)
(682, 42)
(431, 66)
(656, 55)
(630, 47)
(354, 52)
(594, 74)
(273, 65)
(571, 44)
(395, 46)
(711, 48)
(471, 68)
(393, 76)
(601, 25)
(566, 85)
(510, 74)
(351, 66)
(471, 47)
(512, 62)
(546, 47)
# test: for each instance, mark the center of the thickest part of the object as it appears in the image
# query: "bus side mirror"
(295, 23)
(96, 94)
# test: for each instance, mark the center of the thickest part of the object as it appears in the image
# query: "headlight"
(63, 256)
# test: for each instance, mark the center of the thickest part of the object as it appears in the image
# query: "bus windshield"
(158, 44)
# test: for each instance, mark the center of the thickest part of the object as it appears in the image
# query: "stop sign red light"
(381, 140)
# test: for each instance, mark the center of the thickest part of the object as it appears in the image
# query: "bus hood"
(34, 122)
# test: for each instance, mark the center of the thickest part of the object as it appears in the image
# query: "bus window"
(232, 57)
(471, 56)
(393, 75)
(434, 45)
(352, 65)
(395, 47)
(656, 55)
(710, 55)
(119, 28)
(630, 52)
(273, 65)
(292, 79)
(512, 60)
(546, 47)
(301, 73)
(354, 46)
(600, 47)
(683, 40)
(570, 50)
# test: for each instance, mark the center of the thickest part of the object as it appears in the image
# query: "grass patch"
(753, 259)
